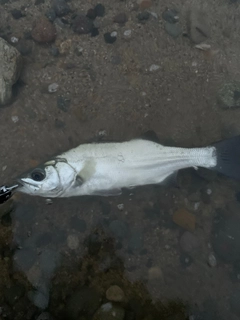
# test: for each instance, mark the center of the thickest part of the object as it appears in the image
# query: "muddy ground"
(49, 252)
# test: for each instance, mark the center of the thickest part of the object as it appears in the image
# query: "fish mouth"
(22, 184)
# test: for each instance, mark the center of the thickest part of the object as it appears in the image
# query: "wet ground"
(173, 253)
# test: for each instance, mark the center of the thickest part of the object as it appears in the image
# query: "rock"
(109, 311)
(10, 68)
(120, 18)
(155, 273)
(73, 241)
(78, 224)
(143, 16)
(186, 260)
(24, 47)
(198, 26)
(44, 31)
(91, 14)
(94, 32)
(212, 261)
(115, 293)
(82, 24)
(235, 301)
(99, 10)
(44, 316)
(229, 95)
(136, 241)
(84, 302)
(61, 8)
(40, 298)
(173, 30)
(51, 15)
(108, 38)
(118, 228)
(53, 87)
(189, 242)
(145, 4)
(14, 293)
(170, 15)
(17, 14)
(63, 103)
(127, 33)
(184, 219)
(154, 67)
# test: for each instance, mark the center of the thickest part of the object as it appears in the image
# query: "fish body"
(105, 168)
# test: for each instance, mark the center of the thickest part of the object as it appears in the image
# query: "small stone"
(17, 14)
(186, 260)
(120, 206)
(145, 4)
(73, 241)
(143, 16)
(10, 70)
(173, 30)
(24, 47)
(120, 18)
(154, 67)
(14, 39)
(49, 201)
(108, 38)
(44, 316)
(54, 51)
(198, 26)
(108, 311)
(115, 293)
(212, 261)
(61, 8)
(91, 14)
(44, 31)
(94, 32)
(114, 34)
(63, 103)
(184, 219)
(189, 242)
(155, 273)
(203, 46)
(229, 95)
(15, 119)
(127, 33)
(170, 15)
(99, 10)
(51, 15)
(82, 24)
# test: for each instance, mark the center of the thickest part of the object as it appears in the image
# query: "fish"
(106, 168)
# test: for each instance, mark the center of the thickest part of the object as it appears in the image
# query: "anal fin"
(171, 180)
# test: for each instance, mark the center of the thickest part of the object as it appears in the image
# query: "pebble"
(121, 18)
(44, 31)
(114, 34)
(17, 14)
(198, 26)
(109, 311)
(155, 273)
(108, 38)
(82, 24)
(143, 16)
(14, 39)
(63, 103)
(120, 206)
(212, 261)
(44, 316)
(154, 67)
(127, 33)
(184, 219)
(51, 15)
(10, 69)
(15, 119)
(73, 241)
(189, 242)
(91, 14)
(53, 87)
(79, 51)
(173, 30)
(229, 95)
(145, 4)
(61, 8)
(118, 228)
(115, 293)
(203, 46)
(39, 298)
(170, 15)
(99, 10)
(186, 260)
(24, 47)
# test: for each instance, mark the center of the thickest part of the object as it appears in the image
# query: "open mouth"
(23, 183)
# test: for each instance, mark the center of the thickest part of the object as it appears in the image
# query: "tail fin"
(228, 157)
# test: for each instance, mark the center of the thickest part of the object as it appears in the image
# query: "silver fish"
(105, 168)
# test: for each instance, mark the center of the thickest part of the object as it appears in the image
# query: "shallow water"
(173, 251)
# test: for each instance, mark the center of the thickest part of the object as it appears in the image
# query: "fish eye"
(38, 174)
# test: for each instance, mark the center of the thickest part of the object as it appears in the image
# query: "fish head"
(52, 179)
